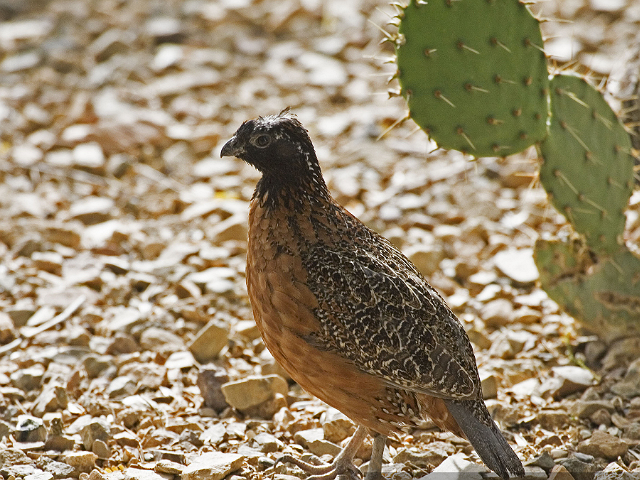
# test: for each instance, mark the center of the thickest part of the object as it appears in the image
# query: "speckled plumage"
(343, 311)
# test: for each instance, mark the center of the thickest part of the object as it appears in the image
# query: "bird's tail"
(485, 436)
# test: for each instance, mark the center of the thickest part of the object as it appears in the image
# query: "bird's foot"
(340, 469)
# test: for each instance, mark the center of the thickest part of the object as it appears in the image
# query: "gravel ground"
(127, 345)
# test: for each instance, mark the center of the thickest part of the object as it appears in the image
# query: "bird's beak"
(232, 149)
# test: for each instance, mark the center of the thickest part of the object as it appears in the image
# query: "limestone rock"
(96, 430)
(253, 390)
(212, 466)
(456, 467)
(601, 444)
(560, 473)
(314, 441)
(133, 473)
(160, 340)
(337, 426)
(80, 461)
(497, 313)
(567, 380)
(518, 265)
(212, 338)
(553, 419)
(210, 381)
(629, 386)
(584, 409)
(434, 455)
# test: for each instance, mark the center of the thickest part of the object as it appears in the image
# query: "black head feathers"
(279, 147)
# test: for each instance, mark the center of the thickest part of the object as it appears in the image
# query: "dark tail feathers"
(493, 449)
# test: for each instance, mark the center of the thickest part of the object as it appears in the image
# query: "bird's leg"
(374, 472)
(341, 467)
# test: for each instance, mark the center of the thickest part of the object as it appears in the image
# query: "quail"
(347, 315)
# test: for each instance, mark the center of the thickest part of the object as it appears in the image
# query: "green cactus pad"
(473, 74)
(587, 167)
(604, 294)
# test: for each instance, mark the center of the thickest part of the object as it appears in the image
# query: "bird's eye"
(262, 141)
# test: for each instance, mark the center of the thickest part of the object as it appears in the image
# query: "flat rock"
(608, 5)
(314, 441)
(19, 471)
(306, 437)
(121, 386)
(457, 467)
(567, 380)
(214, 434)
(267, 443)
(101, 449)
(584, 409)
(614, 471)
(559, 472)
(210, 381)
(629, 386)
(434, 455)
(59, 469)
(527, 315)
(209, 341)
(96, 430)
(553, 419)
(489, 383)
(96, 364)
(133, 473)
(52, 398)
(212, 466)
(30, 429)
(214, 279)
(161, 340)
(59, 443)
(632, 431)
(337, 426)
(20, 61)
(601, 444)
(80, 461)
(92, 210)
(253, 390)
(5, 429)
(518, 265)
(89, 155)
(28, 379)
(544, 461)
(24, 29)
(7, 328)
(581, 470)
(180, 360)
(167, 466)
(497, 313)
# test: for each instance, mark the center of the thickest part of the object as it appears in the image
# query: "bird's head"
(277, 145)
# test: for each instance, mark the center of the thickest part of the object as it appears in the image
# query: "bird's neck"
(277, 190)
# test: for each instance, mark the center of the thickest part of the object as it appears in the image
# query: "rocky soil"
(127, 345)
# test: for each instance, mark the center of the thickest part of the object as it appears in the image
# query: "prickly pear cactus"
(603, 293)
(475, 79)
(587, 167)
(474, 74)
